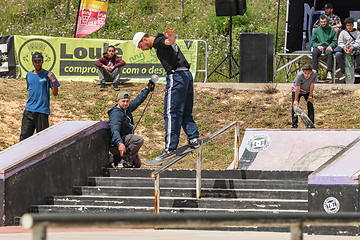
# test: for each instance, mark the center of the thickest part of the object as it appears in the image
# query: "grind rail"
(39, 223)
(156, 173)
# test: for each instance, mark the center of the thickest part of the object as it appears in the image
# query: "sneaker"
(102, 86)
(165, 155)
(127, 165)
(342, 77)
(115, 86)
(357, 74)
(328, 75)
(195, 143)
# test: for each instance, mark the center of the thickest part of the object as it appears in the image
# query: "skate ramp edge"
(292, 149)
(50, 162)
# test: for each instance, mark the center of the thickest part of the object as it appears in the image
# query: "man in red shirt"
(109, 68)
(334, 20)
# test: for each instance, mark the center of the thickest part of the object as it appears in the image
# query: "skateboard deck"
(179, 151)
(304, 118)
(120, 80)
(349, 69)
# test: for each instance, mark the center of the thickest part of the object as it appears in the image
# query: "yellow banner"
(73, 59)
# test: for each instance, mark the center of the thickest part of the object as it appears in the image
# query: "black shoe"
(102, 86)
(115, 86)
(165, 155)
(195, 143)
(128, 165)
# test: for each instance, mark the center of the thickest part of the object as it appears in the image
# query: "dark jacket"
(324, 36)
(116, 61)
(121, 122)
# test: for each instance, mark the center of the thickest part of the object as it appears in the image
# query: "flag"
(91, 16)
(7, 57)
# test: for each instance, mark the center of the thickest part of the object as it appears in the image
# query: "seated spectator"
(349, 42)
(334, 20)
(323, 41)
(109, 68)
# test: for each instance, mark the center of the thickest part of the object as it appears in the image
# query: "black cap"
(328, 5)
(37, 56)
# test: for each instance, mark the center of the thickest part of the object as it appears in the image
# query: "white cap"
(137, 38)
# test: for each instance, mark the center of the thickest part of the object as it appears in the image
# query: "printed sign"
(73, 59)
(91, 16)
(7, 57)
(258, 143)
(331, 205)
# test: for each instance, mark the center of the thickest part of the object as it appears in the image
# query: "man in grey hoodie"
(349, 42)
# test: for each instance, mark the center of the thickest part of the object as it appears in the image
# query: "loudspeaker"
(230, 7)
(256, 57)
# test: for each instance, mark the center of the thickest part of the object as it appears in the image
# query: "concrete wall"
(54, 170)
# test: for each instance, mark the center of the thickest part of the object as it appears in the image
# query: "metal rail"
(39, 223)
(156, 174)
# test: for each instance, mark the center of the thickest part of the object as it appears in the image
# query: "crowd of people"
(329, 39)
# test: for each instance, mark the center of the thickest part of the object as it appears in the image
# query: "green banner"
(73, 59)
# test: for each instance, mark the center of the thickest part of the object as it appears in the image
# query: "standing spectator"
(109, 68)
(303, 85)
(179, 93)
(37, 109)
(323, 41)
(349, 42)
(334, 20)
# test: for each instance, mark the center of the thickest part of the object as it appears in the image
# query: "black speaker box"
(230, 7)
(256, 57)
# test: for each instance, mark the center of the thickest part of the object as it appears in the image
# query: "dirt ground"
(213, 109)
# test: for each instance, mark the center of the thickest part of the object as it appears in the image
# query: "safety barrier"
(39, 223)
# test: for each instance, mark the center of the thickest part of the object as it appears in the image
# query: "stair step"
(240, 203)
(191, 192)
(150, 210)
(218, 174)
(191, 182)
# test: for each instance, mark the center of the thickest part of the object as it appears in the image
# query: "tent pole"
(287, 24)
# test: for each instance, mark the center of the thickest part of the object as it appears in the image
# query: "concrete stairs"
(132, 191)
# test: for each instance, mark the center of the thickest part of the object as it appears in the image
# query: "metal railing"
(156, 173)
(39, 223)
(206, 59)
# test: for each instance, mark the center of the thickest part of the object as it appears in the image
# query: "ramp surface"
(291, 149)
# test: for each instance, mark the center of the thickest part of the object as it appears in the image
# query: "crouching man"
(125, 145)
(109, 68)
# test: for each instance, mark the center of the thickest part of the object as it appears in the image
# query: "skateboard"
(120, 80)
(304, 118)
(179, 151)
(349, 69)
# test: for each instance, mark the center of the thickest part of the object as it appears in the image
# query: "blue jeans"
(178, 105)
(316, 53)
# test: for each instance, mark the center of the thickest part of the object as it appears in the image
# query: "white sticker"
(331, 205)
(258, 143)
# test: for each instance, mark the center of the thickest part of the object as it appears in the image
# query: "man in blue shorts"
(37, 109)
(179, 94)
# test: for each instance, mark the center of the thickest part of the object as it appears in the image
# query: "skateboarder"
(109, 68)
(303, 85)
(179, 93)
(123, 139)
(37, 109)
(349, 42)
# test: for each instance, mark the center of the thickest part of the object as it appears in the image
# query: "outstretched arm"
(170, 36)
